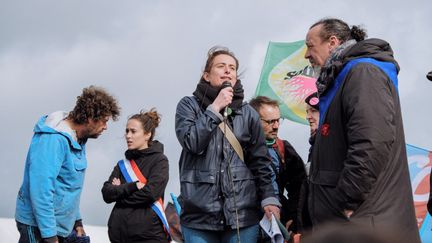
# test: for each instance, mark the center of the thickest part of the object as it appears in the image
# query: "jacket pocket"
(326, 178)
(197, 176)
(80, 164)
(244, 187)
(198, 191)
(241, 173)
(327, 199)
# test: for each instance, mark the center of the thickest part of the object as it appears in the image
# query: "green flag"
(288, 78)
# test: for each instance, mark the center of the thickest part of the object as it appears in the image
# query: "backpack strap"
(279, 145)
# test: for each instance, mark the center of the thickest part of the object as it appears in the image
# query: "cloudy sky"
(151, 54)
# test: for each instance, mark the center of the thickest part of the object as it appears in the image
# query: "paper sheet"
(272, 229)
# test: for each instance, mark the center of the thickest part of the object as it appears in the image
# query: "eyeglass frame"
(271, 122)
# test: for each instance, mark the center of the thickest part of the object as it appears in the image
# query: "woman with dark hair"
(137, 185)
(312, 116)
(225, 179)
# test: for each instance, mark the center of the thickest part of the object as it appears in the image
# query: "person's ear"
(205, 76)
(333, 42)
(147, 136)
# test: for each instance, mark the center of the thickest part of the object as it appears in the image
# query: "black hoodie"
(132, 219)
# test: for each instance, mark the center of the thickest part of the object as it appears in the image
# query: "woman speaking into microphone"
(224, 175)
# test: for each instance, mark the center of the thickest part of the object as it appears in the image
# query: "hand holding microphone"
(224, 97)
(226, 84)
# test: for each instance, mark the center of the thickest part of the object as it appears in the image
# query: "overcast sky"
(151, 54)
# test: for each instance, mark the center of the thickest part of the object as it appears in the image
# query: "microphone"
(224, 85)
(429, 76)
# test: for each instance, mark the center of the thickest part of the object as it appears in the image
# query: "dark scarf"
(332, 66)
(206, 94)
(134, 154)
(312, 139)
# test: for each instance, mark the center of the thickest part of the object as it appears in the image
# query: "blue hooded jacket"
(53, 179)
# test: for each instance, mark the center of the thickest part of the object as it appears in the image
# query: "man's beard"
(273, 134)
(90, 134)
(93, 135)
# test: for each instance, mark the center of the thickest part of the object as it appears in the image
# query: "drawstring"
(31, 234)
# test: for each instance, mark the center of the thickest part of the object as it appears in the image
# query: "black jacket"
(132, 219)
(304, 224)
(290, 178)
(359, 160)
(207, 197)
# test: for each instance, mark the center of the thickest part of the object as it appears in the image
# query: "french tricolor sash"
(131, 173)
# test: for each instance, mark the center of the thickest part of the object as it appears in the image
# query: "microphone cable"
(225, 121)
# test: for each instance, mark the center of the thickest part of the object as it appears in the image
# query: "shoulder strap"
(232, 139)
(281, 149)
(229, 135)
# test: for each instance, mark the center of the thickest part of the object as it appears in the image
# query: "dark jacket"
(132, 219)
(304, 224)
(207, 196)
(290, 177)
(359, 161)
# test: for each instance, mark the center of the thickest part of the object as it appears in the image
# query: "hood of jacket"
(53, 124)
(155, 148)
(377, 49)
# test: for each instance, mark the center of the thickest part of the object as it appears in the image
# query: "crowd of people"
(234, 168)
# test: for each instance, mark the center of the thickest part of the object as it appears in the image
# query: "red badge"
(325, 129)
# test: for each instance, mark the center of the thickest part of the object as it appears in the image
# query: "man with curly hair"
(47, 207)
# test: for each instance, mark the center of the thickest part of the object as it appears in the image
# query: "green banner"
(288, 78)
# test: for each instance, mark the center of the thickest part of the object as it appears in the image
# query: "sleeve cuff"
(215, 112)
(270, 201)
(351, 206)
(131, 187)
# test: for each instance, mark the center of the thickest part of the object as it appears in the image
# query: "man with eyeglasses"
(288, 169)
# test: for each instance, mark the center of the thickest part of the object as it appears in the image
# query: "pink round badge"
(314, 101)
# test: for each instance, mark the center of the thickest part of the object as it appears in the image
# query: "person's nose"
(227, 70)
(309, 115)
(307, 54)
